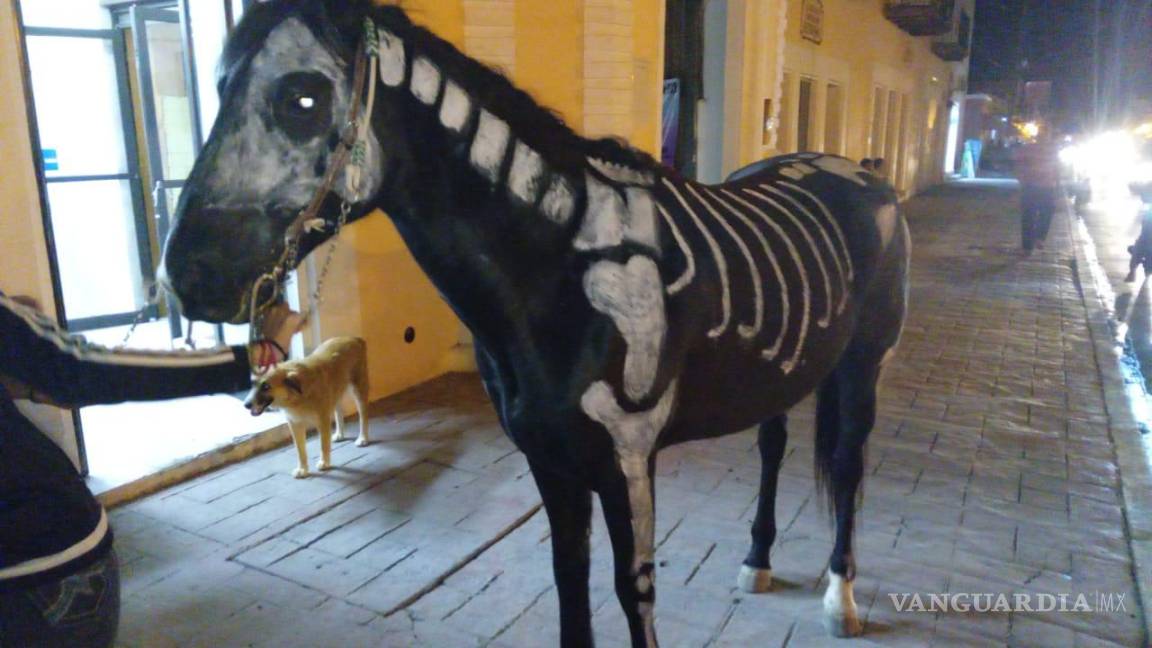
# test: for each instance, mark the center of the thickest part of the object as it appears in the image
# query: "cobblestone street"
(993, 469)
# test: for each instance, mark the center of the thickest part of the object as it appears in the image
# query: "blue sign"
(51, 162)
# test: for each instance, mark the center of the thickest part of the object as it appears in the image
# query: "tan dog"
(310, 390)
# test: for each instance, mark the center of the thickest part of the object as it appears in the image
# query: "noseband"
(349, 155)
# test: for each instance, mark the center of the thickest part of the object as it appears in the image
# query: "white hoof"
(300, 473)
(843, 627)
(361, 441)
(840, 616)
(753, 580)
(323, 465)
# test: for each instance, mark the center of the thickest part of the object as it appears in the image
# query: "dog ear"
(292, 381)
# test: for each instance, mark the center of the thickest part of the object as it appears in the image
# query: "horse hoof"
(323, 465)
(361, 442)
(753, 580)
(339, 437)
(843, 627)
(300, 473)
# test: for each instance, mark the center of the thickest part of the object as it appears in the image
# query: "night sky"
(1029, 40)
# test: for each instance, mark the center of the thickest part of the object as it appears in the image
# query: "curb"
(1134, 467)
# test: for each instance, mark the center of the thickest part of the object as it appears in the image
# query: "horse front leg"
(756, 572)
(630, 513)
(628, 502)
(569, 508)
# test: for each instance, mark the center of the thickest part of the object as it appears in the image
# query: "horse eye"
(265, 387)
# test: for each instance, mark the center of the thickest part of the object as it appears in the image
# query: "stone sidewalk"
(991, 470)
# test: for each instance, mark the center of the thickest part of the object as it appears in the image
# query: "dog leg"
(338, 421)
(361, 440)
(300, 438)
(325, 431)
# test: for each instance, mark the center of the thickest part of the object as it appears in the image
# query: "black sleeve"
(69, 370)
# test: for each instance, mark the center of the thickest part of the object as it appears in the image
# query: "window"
(879, 119)
(834, 120)
(804, 116)
(784, 137)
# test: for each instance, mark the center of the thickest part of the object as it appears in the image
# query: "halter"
(350, 155)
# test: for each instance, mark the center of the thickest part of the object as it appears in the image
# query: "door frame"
(131, 173)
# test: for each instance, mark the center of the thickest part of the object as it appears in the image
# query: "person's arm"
(68, 370)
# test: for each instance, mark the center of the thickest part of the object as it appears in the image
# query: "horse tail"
(827, 434)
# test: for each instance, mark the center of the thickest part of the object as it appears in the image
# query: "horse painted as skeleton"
(616, 308)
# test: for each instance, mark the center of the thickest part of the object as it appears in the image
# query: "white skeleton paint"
(392, 58)
(744, 330)
(822, 322)
(634, 436)
(832, 221)
(622, 174)
(526, 177)
(612, 217)
(455, 108)
(690, 260)
(819, 227)
(425, 81)
(721, 263)
(846, 169)
(886, 224)
(633, 296)
(805, 288)
(785, 302)
(489, 145)
(559, 203)
(257, 163)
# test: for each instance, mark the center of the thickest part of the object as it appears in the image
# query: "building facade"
(756, 77)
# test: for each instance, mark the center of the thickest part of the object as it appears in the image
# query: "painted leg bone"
(633, 296)
(634, 436)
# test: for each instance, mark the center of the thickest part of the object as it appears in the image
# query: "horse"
(617, 308)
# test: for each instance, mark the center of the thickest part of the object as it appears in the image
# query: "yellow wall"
(24, 266)
(862, 50)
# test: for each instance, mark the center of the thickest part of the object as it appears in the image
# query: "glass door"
(168, 107)
(83, 112)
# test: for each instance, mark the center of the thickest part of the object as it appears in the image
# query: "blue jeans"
(81, 610)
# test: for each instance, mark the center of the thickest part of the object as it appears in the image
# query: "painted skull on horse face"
(285, 107)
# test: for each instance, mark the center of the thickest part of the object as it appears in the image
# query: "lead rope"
(353, 177)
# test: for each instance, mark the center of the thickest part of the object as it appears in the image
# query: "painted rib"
(835, 225)
(827, 241)
(806, 289)
(827, 317)
(744, 330)
(785, 303)
(689, 272)
(721, 263)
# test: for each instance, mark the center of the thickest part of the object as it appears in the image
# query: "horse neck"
(478, 206)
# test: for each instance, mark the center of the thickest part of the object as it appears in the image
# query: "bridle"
(350, 156)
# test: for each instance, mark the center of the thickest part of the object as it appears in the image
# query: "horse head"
(286, 84)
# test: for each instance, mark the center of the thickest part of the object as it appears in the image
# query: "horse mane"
(538, 126)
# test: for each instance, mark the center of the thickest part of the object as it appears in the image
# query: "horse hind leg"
(756, 572)
(846, 413)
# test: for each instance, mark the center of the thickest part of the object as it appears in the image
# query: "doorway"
(115, 106)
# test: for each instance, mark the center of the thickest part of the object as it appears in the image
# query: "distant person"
(59, 577)
(867, 164)
(1038, 170)
(878, 167)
